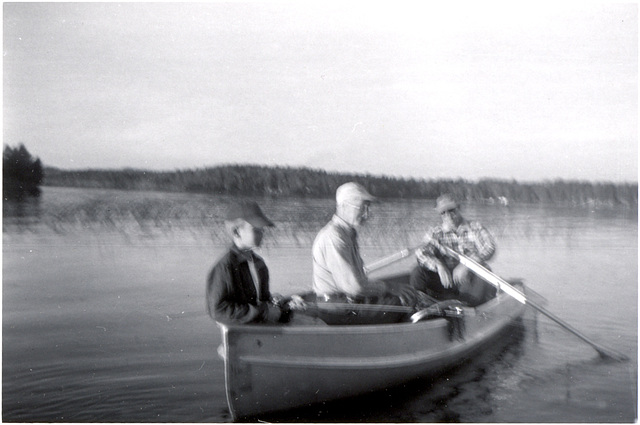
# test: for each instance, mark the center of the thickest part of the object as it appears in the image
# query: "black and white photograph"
(320, 212)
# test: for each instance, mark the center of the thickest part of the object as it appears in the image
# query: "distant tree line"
(254, 180)
(22, 174)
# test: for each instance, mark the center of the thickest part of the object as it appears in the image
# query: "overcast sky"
(523, 90)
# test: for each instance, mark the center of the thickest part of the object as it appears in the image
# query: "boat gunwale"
(359, 329)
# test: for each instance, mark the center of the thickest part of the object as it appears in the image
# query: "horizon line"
(355, 174)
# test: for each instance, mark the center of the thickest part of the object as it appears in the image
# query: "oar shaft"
(383, 262)
(567, 326)
(503, 285)
(350, 306)
(491, 278)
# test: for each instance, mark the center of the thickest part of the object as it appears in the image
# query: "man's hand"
(429, 241)
(428, 237)
(421, 256)
(277, 299)
(445, 276)
(461, 275)
(296, 303)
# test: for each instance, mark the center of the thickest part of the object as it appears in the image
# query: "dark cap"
(248, 211)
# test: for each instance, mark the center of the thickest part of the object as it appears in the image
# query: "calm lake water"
(103, 310)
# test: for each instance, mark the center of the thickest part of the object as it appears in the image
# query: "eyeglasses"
(363, 207)
(449, 211)
(363, 210)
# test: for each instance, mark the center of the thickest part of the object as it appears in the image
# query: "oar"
(350, 306)
(384, 262)
(501, 284)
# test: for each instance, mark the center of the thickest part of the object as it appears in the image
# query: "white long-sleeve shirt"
(337, 265)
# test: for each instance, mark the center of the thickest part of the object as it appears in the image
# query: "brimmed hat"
(446, 202)
(250, 212)
(353, 192)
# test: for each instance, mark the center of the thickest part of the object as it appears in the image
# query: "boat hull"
(272, 368)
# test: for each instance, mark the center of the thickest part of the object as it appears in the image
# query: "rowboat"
(273, 368)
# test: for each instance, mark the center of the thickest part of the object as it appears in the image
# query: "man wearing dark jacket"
(238, 285)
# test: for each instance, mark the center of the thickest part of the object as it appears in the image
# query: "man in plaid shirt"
(442, 276)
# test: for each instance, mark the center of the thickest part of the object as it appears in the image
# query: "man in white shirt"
(338, 269)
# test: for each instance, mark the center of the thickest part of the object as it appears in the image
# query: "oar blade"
(609, 354)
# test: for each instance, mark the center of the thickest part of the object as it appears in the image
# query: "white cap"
(353, 192)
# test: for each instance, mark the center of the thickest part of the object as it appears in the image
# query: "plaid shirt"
(470, 239)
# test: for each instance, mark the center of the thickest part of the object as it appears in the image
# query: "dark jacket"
(231, 293)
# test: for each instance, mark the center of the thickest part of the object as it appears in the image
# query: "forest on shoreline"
(256, 180)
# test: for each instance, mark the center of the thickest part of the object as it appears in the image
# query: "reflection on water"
(103, 310)
(21, 213)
